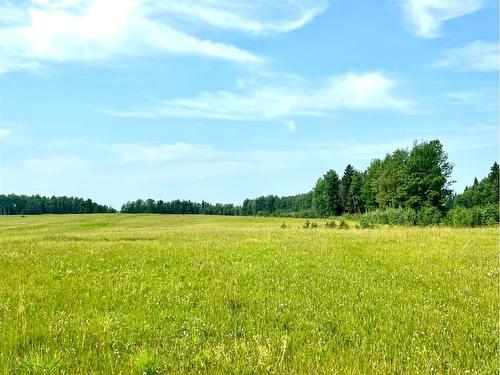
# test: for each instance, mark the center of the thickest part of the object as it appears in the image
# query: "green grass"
(145, 294)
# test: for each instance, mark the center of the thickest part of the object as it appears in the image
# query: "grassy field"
(121, 294)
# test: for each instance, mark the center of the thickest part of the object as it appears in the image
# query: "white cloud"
(56, 164)
(351, 91)
(153, 153)
(259, 17)
(291, 126)
(427, 16)
(33, 33)
(37, 32)
(476, 56)
(5, 133)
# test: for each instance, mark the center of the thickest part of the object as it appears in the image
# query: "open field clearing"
(120, 294)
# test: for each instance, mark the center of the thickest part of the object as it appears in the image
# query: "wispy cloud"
(4, 133)
(33, 33)
(291, 126)
(481, 100)
(476, 56)
(259, 17)
(75, 171)
(297, 97)
(56, 164)
(427, 16)
(37, 32)
(153, 153)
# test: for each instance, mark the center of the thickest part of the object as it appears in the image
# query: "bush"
(456, 217)
(429, 216)
(314, 224)
(491, 215)
(343, 225)
(472, 217)
(283, 226)
(364, 223)
(307, 224)
(330, 224)
(391, 216)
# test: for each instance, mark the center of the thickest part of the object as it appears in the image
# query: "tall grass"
(181, 294)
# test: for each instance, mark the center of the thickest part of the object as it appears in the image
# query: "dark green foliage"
(283, 226)
(343, 224)
(364, 223)
(480, 193)
(391, 179)
(299, 205)
(356, 192)
(307, 224)
(330, 224)
(478, 204)
(370, 185)
(391, 216)
(314, 224)
(403, 179)
(427, 172)
(404, 188)
(180, 207)
(326, 195)
(429, 215)
(13, 204)
(472, 217)
(346, 198)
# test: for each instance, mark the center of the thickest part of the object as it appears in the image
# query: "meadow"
(146, 294)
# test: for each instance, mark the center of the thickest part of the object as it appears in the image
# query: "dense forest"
(31, 205)
(405, 187)
(180, 207)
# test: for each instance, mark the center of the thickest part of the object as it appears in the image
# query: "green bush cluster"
(364, 223)
(472, 217)
(343, 224)
(331, 224)
(455, 217)
(390, 216)
(429, 216)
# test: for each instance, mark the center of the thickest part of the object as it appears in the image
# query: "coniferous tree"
(345, 190)
(356, 192)
(326, 197)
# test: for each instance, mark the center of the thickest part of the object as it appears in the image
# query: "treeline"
(13, 204)
(415, 179)
(180, 207)
(408, 187)
(405, 187)
(478, 204)
(300, 205)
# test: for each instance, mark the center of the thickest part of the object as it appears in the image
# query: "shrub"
(391, 216)
(429, 216)
(307, 224)
(472, 217)
(343, 225)
(491, 214)
(330, 224)
(314, 224)
(364, 223)
(283, 226)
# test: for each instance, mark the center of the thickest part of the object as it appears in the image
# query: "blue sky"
(222, 100)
